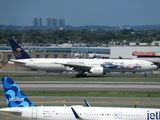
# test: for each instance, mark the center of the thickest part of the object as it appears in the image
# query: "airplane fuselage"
(87, 113)
(111, 65)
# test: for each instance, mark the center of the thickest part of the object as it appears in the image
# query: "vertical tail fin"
(14, 96)
(19, 53)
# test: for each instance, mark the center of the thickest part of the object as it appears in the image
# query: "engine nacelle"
(97, 71)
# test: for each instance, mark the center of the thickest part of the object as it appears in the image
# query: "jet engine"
(97, 71)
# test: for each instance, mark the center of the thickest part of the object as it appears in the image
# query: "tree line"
(89, 37)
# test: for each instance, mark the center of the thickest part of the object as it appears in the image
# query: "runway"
(101, 101)
(90, 86)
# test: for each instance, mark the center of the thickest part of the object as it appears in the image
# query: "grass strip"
(51, 76)
(154, 94)
(102, 79)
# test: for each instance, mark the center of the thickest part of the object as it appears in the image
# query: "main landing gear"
(81, 75)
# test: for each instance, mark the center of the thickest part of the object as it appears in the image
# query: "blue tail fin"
(19, 53)
(14, 96)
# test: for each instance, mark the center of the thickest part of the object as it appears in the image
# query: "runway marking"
(63, 101)
(8, 117)
(136, 102)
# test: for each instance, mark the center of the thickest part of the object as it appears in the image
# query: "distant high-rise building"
(52, 23)
(37, 22)
(49, 25)
(61, 23)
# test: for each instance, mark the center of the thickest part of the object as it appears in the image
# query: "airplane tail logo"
(19, 53)
(14, 96)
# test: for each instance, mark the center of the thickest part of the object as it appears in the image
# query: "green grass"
(98, 79)
(71, 77)
(154, 94)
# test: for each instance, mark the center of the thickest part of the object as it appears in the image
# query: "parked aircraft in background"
(20, 106)
(93, 66)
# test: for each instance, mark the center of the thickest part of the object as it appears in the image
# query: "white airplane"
(20, 106)
(93, 66)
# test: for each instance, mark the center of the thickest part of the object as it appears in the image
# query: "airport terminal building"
(151, 53)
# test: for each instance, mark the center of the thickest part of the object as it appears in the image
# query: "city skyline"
(82, 12)
(51, 22)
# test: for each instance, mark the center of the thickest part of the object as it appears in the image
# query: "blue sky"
(82, 12)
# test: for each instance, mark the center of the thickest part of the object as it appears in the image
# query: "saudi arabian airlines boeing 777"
(93, 66)
(20, 106)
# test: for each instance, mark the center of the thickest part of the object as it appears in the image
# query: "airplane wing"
(76, 67)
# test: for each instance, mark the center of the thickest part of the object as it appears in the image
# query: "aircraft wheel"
(77, 75)
(81, 75)
(84, 75)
